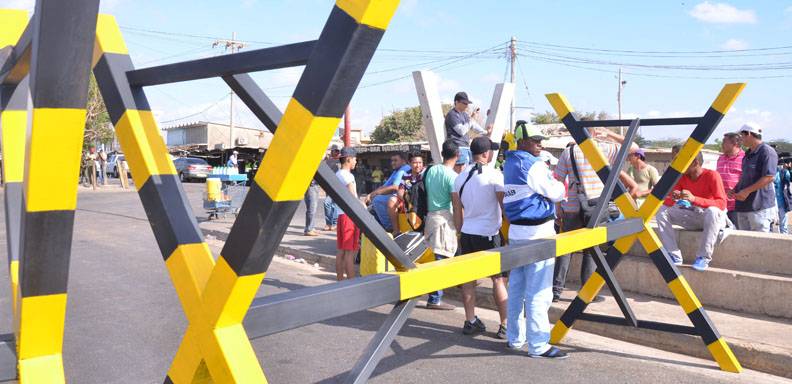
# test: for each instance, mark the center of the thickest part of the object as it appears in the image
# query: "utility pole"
(512, 60)
(619, 98)
(234, 46)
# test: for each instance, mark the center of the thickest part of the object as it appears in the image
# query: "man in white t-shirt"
(478, 200)
(348, 234)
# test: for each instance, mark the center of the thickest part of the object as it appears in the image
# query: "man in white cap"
(754, 193)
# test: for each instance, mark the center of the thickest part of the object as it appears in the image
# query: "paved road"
(124, 323)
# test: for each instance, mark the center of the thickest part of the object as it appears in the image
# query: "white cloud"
(722, 13)
(734, 45)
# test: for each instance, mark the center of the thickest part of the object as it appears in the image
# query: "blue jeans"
(311, 203)
(782, 220)
(436, 297)
(330, 212)
(381, 209)
(530, 296)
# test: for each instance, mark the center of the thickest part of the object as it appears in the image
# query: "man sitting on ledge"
(698, 202)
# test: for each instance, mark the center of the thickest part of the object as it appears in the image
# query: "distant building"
(211, 136)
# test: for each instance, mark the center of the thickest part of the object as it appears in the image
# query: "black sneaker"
(472, 327)
(556, 298)
(552, 353)
(501, 334)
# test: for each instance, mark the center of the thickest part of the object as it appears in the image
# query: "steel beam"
(644, 122)
(382, 340)
(8, 358)
(643, 324)
(269, 114)
(17, 58)
(283, 56)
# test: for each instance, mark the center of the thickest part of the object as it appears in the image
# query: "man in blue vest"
(529, 200)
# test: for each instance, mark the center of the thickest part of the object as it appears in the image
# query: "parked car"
(112, 164)
(192, 168)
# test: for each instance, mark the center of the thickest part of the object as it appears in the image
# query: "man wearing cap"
(348, 234)
(458, 123)
(730, 168)
(754, 193)
(439, 230)
(531, 193)
(645, 175)
(477, 199)
(330, 208)
(232, 160)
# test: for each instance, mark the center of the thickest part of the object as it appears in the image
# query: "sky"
(675, 55)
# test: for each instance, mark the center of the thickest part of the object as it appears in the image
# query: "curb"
(758, 357)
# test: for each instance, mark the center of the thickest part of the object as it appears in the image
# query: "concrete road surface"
(124, 323)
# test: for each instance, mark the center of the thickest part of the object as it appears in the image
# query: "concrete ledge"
(740, 251)
(745, 292)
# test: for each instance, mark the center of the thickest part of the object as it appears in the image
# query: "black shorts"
(475, 243)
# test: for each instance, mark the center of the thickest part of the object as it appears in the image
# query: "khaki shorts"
(440, 233)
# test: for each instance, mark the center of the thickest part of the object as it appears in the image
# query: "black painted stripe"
(257, 231)
(579, 134)
(704, 326)
(62, 53)
(110, 74)
(704, 130)
(573, 312)
(664, 265)
(336, 65)
(666, 183)
(14, 97)
(169, 213)
(44, 267)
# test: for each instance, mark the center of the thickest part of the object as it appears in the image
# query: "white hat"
(751, 128)
(547, 156)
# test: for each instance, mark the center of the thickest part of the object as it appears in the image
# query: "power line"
(197, 113)
(695, 52)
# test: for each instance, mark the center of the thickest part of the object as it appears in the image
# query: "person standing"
(439, 230)
(384, 198)
(458, 122)
(102, 158)
(330, 208)
(477, 200)
(730, 168)
(233, 160)
(783, 196)
(754, 193)
(311, 200)
(348, 234)
(645, 175)
(376, 178)
(529, 203)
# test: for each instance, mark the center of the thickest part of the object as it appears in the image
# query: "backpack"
(418, 203)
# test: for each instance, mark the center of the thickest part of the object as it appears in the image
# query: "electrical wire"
(197, 113)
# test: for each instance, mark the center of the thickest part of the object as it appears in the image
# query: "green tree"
(546, 118)
(98, 129)
(402, 126)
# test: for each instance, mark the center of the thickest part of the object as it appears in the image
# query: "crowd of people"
(467, 201)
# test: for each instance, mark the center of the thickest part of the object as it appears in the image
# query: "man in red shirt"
(698, 202)
(730, 169)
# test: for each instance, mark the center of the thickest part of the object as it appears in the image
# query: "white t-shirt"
(346, 178)
(482, 211)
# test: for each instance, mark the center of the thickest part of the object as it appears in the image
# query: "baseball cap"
(524, 131)
(348, 152)
(751, 128)
(548, 157)
(482, 144)
(641, 153)
(334, 147)
(462, 97)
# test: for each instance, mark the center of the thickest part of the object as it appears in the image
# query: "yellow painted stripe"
(591, 288)
(143, 146)
(446, 273)
(560, 104)
(686, 155)
(624, 244)
(231, 358)
(727, 96)
(190, 266)
(45, 369)
(558, 332)
(13, 23)
(649, 208)
(627, 205)
(14, 128)
(724, 356)
(108, 38)
(188, 360)
(13, 271)
(41, 325)
(295, 152)
(227, 296)
(593, 155)
(684, 295)
(649, 239)
(374, 13)
(54, 159)
(578, 239)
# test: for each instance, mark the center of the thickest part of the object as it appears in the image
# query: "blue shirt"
(755, 165)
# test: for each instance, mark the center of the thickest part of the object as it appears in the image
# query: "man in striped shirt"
(730, 169)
